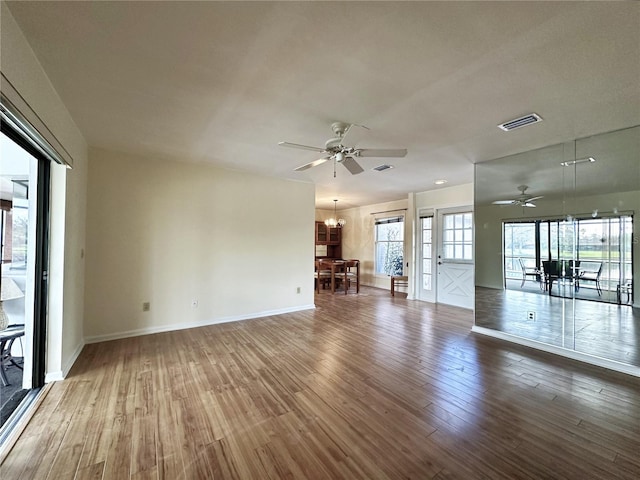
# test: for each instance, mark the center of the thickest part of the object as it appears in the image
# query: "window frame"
(464, 242)
(385, 221)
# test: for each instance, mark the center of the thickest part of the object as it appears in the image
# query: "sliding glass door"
(24, 198)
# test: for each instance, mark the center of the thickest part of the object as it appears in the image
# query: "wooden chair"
(352, 274)
(322, 275)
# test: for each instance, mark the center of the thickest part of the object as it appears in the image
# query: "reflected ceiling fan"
(336, 151)
(523, 200)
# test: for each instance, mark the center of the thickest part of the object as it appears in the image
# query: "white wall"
(67, 232)
(169, 232)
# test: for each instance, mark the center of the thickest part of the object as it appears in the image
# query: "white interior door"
(455, 273)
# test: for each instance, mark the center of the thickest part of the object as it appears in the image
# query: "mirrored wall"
(558, 249)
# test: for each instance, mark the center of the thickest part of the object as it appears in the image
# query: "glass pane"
(468, 252)
(448, 251)
(467, 220)
(389, 258)
(458, 252)
(448, 222)
(426, 266)
(458, 221)
(426, 282)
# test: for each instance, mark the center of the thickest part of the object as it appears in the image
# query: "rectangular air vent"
(520, 122)
(382, 168)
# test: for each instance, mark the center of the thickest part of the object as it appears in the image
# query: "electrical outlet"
(146, 306)
(531, 316)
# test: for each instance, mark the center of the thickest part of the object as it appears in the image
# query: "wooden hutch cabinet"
(328, 241)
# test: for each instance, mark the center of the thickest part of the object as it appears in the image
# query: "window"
(457, 243)
(427, 247)
(389, 245)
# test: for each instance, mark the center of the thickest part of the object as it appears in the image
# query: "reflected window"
(601, 248)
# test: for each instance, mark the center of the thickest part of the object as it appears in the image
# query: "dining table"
(338, 267)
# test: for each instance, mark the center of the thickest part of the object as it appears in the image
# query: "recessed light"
(575, 162)
(440, 182)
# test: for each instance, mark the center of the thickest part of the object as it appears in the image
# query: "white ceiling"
(224, 82)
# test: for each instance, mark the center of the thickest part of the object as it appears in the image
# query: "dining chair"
(322, 274)
(352, 274)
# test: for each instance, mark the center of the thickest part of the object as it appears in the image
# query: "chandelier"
(335, 221)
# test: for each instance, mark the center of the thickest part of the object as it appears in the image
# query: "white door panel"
(455, 269)
(455, 284)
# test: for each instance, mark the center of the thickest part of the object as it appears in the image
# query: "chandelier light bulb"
(335, 221)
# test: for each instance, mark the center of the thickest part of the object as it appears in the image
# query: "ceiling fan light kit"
(336, 151)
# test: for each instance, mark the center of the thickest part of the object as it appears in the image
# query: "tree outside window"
(389, 246)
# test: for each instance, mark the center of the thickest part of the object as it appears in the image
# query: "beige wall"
(169, 232)
(67, 234)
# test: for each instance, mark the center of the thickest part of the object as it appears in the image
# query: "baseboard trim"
(184, 326)
(572, 354)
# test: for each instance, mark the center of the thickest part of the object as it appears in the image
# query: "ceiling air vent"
(382, 168)
(520, 122)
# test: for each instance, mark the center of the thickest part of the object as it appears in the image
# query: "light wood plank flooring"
(364, 387)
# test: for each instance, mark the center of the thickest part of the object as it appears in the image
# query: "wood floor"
(600, 329)
(364, 387)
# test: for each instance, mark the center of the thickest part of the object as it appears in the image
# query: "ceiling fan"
(336, 151)
(522, 201)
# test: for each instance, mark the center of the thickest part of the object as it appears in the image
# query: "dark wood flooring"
(364, 387)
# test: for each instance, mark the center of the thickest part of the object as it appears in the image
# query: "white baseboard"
(582, 357)
(184, 326)
(61, 374)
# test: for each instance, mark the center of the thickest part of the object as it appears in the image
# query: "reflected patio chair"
(529, 272)
(592, 276)
(551, 272)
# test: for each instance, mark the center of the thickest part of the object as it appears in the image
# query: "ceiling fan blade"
(302, 147)
(315, 163)
(353, 166)
(533, 198)
(527, 204)
(370, 152)
(504, 202)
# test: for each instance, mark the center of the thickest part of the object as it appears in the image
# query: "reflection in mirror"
(557, 250)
